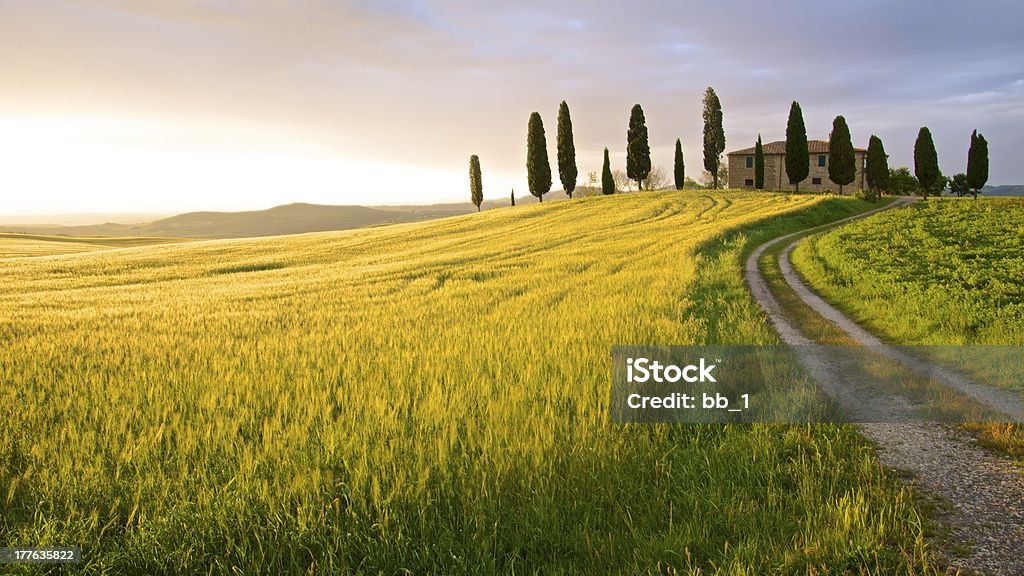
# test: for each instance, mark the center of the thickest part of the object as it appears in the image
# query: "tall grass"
(420, 398)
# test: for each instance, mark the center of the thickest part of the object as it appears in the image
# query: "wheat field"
(14, 245)
(420, 398)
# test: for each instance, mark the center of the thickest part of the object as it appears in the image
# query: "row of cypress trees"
(926, 165)
(842, 168)
(638, 153)
(842, 159)
(841, 165)
(538, 170)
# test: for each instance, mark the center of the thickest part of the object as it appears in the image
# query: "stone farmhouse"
(741, 168)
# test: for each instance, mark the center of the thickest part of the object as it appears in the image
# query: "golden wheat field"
(419, 398)
(17, 245)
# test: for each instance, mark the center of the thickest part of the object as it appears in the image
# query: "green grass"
(428, 397)
(942, 272)
(932, 398)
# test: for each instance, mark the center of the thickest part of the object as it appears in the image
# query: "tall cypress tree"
(714, 133)
(638, 150)
(977, 163)
(476, 184)
(566, 150)
(538, 170)
(758, 164)
(926, 161)
(798, 158)
(679, 168)
(842, 167)
(878, 166)
(607, 180)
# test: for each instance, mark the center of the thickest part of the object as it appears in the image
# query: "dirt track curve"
(983, 492)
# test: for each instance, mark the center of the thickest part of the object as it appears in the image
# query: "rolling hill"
(18, 244)
(286, 219)
(1006, 190)
(428, 397)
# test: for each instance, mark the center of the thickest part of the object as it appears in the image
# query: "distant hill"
(286, 219)
(1007, 190)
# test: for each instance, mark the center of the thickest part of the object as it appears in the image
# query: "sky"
(150, 106)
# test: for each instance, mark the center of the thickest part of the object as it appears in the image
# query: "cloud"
(428, 83)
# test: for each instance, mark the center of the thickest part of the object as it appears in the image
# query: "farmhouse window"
(750, 161)
(816, 181)
(821, 160)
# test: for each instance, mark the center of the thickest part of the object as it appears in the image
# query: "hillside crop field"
(15, 245)
(420, 398)
(939, 272)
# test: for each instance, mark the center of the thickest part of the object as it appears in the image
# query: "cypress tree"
(714, 133)
(798, 158)
(513, 196)
(926, 161)
(878, 166)
(679, 168)
(538, 170)
(758, 164)
(638, 151)
(607, 180)
(977, 163)
(842, 166)
(476, 184)
(566, 150)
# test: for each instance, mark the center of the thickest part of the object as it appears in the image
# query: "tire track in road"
(984, 493)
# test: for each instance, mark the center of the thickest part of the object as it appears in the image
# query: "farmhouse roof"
(779, 147)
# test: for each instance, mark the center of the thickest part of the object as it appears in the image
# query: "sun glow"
(95, 164)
